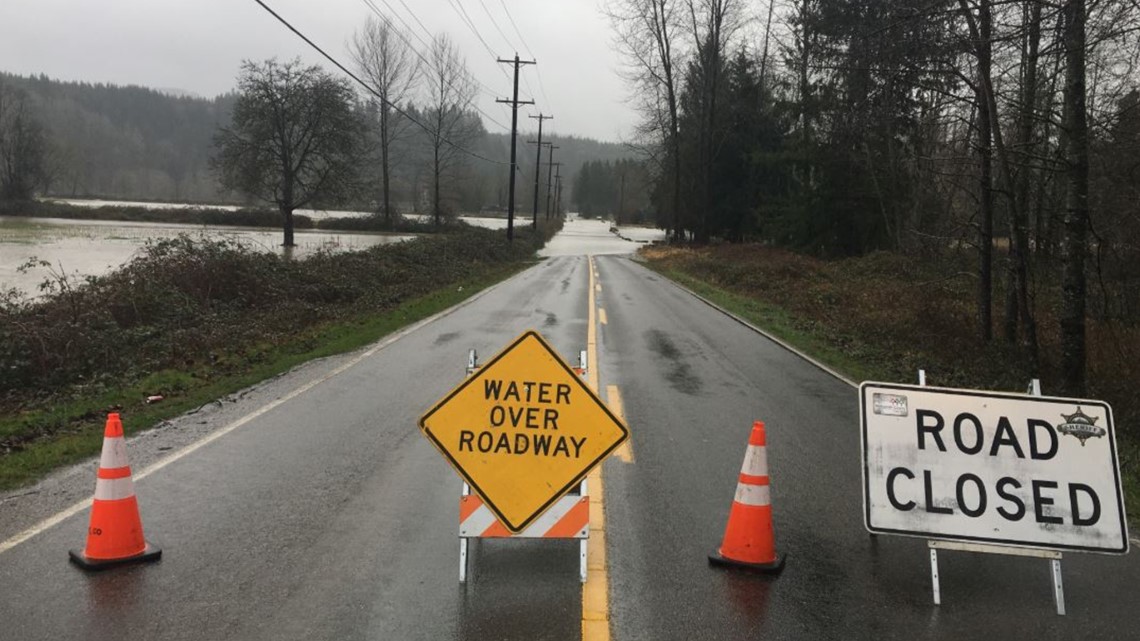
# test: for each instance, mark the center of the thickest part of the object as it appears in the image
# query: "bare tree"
(448, 120)
(1017, 293)
(991, 139)
(767, 40)
(295, 137)
(391, 67)
(23, 147)
(648, 32)
(981, 35)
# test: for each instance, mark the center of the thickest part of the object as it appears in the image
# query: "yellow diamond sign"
(523, 430)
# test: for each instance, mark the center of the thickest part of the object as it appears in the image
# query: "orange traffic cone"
(748, 539)
(115, 534)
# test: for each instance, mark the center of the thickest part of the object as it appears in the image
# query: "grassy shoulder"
(883, 317)
(194, 321)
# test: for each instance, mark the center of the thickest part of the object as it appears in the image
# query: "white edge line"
(779, 342)
(66, 513)
(763, 333)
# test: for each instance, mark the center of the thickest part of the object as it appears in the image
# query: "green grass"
(76, 430)
(776, 321)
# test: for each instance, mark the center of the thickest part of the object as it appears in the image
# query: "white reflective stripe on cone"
(114, 489)
(755, 495)
(114, 453)
(755, 461)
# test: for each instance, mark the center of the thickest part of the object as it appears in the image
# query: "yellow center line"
(602, 315)
(592, 336)
(595, 591)
(613, 400)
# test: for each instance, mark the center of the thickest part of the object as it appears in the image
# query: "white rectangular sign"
(991, 467)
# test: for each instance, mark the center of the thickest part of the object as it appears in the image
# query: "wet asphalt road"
(328, 516)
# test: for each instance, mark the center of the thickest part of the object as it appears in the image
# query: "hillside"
(126, 142)
(138, 143)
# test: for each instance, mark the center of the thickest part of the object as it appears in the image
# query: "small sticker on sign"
(890, 404)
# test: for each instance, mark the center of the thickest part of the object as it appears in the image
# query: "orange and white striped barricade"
(568, 518)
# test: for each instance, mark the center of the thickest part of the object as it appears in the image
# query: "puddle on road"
(445, 338)
(679, 373)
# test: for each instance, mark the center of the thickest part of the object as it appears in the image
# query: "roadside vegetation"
(193, 320)
(884, 316)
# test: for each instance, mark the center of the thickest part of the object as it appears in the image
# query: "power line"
(412, 47)
(542, 86)
(486, 90)
(496, 25)
(413, 15)
(376, 10)
(515, 27)
(458, 6)
(466, 19)
(429, 34)
(344, 69)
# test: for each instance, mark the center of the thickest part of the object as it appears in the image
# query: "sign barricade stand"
(1052, 556)
(568, 518)
(1016, 474)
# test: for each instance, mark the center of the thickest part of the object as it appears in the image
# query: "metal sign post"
(1053, 557)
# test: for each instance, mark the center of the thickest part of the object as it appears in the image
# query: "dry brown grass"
(893, 314)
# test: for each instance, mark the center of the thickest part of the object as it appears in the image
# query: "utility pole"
(538, 163)
(558, 190)
(514, 102)
(621, 199)
(549, 177)
(548, 146)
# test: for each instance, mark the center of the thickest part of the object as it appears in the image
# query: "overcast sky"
(197, 46)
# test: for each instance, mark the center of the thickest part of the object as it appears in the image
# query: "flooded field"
(315, 214)
(80, 248)
(89, 248)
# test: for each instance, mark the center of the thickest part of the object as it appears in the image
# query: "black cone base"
(775, 567)
(151, 553)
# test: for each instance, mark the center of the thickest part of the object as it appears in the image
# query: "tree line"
(112, 141)
(619, 189)
(842, 127)
(82, 139)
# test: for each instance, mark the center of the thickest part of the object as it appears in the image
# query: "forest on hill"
(138, 143)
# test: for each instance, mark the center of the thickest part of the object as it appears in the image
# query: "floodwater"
(314, 214)
(78, 248)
